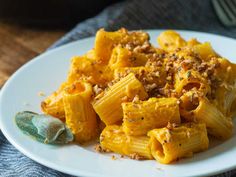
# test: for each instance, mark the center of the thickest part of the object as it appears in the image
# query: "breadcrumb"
(135, 156)
(98, 148)
(135, 99)
(97, 89)
(113, 157)
(41, 93)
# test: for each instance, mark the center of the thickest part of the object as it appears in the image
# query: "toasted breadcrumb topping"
(98, 148)
(136, 156)
(97, 89)
(113, 157)
(41, 93)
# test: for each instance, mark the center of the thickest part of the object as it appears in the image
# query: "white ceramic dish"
(47, 71)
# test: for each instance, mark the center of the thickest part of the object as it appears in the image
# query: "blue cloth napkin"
(152, 14)
(133, 14)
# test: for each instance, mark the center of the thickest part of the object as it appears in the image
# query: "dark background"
(50, 13)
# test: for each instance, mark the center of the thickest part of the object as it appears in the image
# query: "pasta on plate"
(146, 102)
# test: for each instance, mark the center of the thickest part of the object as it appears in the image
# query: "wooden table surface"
(19, 44)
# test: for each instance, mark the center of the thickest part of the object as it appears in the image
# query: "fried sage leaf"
(43, 128)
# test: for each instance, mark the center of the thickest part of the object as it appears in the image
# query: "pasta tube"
(106, 41)
(217, 124)
(143, 116)
(187, 80)
(170, 144)
(224, 98)
(114, 139)
(189, 101)
(170, 40)
(204, 50)
(53, 105)
(226, 72)
(122, 57)
(80, 116)
(199, 109)
(84, 68)
(108, 104)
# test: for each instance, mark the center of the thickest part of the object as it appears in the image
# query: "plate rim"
(63, 47)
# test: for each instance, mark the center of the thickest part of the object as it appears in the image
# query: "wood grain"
(19, 44)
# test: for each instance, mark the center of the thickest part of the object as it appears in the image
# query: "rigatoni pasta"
(217, 124)
(106, 41)
(122, 57)
(229, 95)
(80, 116)
(204, 50)
(124, 90)
(187, 80)
(142, 116)
(88, 69)
(114, 139)
(170, 40)
(147, 102)
(53, 104)
(171, 143)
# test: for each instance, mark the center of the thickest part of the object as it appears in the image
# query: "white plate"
(47, 71)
